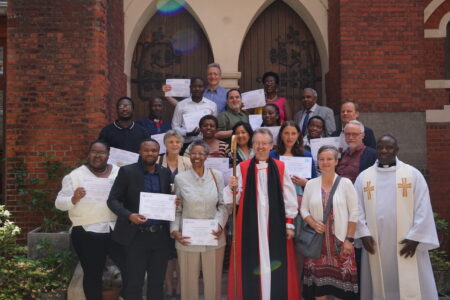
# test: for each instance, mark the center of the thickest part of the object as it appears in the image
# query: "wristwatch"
(350, 239)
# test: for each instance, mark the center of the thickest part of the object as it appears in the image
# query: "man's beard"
(126, 118)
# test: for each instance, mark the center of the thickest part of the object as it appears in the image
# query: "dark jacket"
(368, 140)
(368, 158)
(124, 198)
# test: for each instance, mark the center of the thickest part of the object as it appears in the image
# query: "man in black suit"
(349, 112)
(146, 241)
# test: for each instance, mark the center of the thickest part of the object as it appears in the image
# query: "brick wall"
(438, 160)
(382, 53)
(60, 76)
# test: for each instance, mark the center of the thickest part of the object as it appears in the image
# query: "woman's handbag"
(309, 241)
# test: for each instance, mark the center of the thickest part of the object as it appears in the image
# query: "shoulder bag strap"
(215, 180)
(330, 199)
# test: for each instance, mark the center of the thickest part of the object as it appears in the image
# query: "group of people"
(375, 239)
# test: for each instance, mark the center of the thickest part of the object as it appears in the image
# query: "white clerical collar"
(388, 168)
(261, 164)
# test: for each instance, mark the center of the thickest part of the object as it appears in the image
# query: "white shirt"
(187, 106)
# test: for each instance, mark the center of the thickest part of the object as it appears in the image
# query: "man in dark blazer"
(354, 160)
(310, 109)
(358, 156)
(146, 242)
(349, 112)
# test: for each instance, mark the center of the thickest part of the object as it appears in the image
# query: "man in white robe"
(397, 228)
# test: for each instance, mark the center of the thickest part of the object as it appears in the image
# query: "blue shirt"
(152, 185)
(154, 128)
(219, 97)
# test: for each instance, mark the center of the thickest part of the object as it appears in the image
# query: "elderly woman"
(334, 273)
(244, 133)
(173, 140)
(92, 221)
(200, 190)
(271, 80)
(208, 127)
(316, 129)
(231, 115)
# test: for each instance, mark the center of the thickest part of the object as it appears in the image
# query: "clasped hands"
(408, 250)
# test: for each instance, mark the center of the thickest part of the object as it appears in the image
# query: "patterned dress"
(332, 273)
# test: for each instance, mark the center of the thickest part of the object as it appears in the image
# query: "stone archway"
(280, 41)
(170, 46)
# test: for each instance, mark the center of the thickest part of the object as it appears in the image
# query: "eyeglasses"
(98, 153)
(124, 105)
(264, 144)
(352, 134)
(197, 154)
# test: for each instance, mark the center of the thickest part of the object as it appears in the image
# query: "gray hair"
(175, 133)
(201, 143)
(214, 65)
(263, 130)
(357, 123)
(313, 91)
(329, 148)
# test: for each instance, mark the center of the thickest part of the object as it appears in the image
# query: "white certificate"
(180, 87)
(121, 158)
(317, 143)
(157, 206)
(219, 163)
(200, 231)
(298, 166)
(97, 189)
(255, 121)
(274, 130)
(160, 139)
(253, 99)
(191, 119)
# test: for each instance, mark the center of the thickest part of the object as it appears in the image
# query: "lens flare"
(185, 40)
(273, 266)
(170, 7)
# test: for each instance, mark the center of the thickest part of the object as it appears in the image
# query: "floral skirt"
(332, 273)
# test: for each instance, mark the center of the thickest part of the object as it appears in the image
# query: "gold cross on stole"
(368, 189)
(405, 186)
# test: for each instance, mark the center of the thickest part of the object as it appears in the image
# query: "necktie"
(305, 122)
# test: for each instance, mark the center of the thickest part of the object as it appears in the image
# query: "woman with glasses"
(92, 221)
(200, 190)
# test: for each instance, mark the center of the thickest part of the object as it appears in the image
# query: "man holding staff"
(265, 259)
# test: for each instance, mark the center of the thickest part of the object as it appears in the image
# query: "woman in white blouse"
(200, 190)
(334, 273)
(92, 221)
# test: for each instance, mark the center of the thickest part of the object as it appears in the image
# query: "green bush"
(24, 278)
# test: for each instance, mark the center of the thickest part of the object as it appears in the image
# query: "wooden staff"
(234, 151)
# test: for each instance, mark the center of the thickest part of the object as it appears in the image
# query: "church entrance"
(279, 41)
(172, 45)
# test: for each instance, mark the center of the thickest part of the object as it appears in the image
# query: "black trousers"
(148, 252)
(92, 249)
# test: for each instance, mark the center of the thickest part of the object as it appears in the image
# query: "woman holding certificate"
(173, 140)
(244, 133)
(83, 194)
(316, 129)
(271, 80)
(198, 226)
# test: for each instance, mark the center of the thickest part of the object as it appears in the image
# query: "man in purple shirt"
(358, 156)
